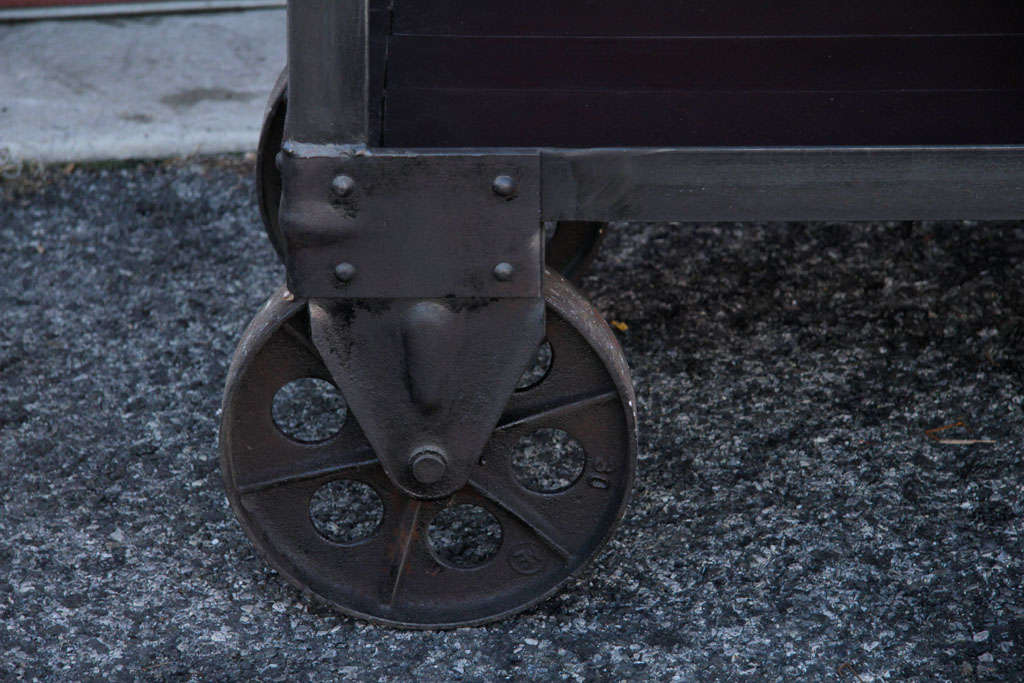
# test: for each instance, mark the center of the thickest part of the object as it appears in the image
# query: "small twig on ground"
(935, 430)
(931, 434)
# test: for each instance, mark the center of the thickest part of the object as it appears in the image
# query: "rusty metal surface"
(395, 576)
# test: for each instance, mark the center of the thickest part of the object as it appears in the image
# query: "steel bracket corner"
(368, 224)
(423, 273)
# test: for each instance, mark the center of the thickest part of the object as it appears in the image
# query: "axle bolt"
(344, 272)
(428, 467)
(503, 271)
(343, 185)
(504, 186)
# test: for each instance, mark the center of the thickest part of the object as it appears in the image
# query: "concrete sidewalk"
(142, 87)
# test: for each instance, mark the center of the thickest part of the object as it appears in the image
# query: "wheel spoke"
(557, 410)
(361, 459)
(518, 508)
(575, 375)
(313, 466)
(405, 538)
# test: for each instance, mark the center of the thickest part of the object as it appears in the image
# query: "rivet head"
(343, 185)
(428, 466)
(344, 272)
(504, 271)
(504, 186)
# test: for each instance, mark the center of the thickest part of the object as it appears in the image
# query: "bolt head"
(505, 186)
(503, 272)
(344, 272)
(428, 466)
(343, 185)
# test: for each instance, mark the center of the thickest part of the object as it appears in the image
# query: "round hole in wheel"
(548, 460)
(464, 536)
(346, 511)
(309, 410)
(539, 369)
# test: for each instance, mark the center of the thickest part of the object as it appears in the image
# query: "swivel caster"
(507, 539)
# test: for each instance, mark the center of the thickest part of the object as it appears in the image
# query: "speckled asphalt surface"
(792, 519)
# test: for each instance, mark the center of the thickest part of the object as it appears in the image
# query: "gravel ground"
(792, 518)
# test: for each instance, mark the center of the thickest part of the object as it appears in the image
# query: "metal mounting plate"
(412, 224)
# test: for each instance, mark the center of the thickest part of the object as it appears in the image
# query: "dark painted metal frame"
(329, 107)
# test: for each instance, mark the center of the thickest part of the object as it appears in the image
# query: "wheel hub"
(428, 466)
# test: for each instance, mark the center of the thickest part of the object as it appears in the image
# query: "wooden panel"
(435, 117)
(748, 74)
(708, 17)
(834, 64)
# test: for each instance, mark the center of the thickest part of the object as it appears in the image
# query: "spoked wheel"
(571, 248)
(547, 492)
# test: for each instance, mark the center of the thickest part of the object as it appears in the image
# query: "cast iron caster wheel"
(549, 489)
(571, 246)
